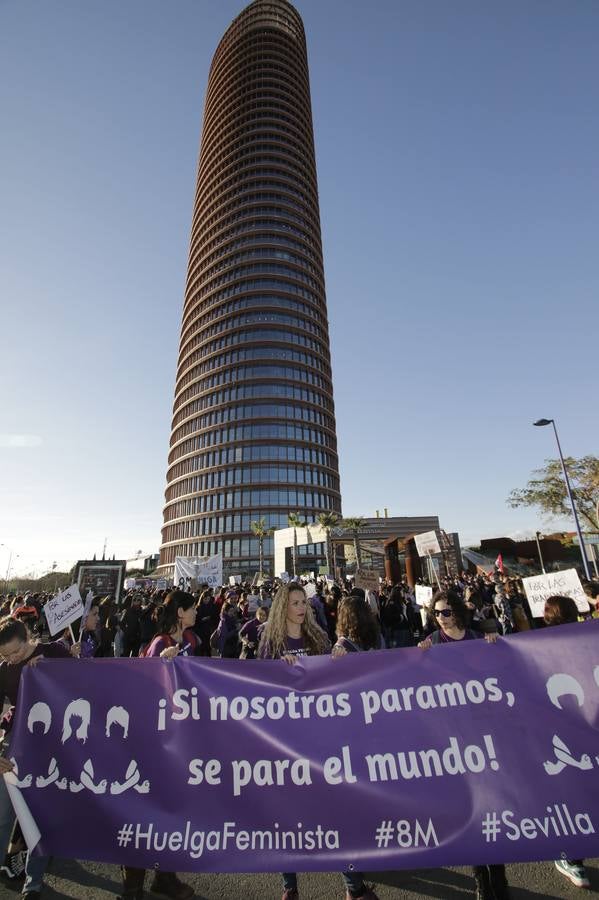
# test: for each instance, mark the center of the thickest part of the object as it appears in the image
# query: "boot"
(367, 894)
(290, 894)
(166, 884)
(133, 883)
(499, 882)
(482, 879)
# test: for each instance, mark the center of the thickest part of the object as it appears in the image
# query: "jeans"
(354, 882)
(34, 872)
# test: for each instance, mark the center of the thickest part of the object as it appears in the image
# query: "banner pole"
(428, 553)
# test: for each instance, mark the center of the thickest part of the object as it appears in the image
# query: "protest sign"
(259, 766)
(567, 583)
(64, 609)
(88, 605)
(203, 571)
(284, 577)
(234, 579)
(424, 595)
(129, 584)
(427, 543)
(310, 589)
(368, 581)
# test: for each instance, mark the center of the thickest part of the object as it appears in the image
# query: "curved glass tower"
(253, 429)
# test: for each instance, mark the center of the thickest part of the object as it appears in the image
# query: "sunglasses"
(446, 613)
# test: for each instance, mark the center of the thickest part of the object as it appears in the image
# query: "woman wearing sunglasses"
(451, 617)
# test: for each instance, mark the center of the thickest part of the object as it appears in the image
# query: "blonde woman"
(290, 632)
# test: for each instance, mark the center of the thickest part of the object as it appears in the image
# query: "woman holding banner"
(291, 632)
(451, 617)
(174, 626)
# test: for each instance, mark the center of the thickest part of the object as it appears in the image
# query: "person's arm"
(159, 647)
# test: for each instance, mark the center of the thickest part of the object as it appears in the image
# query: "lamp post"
(541, 423)
(537, 536)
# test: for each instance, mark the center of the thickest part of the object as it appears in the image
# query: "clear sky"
(458, 174)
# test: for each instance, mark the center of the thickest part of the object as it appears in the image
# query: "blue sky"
(458, 174)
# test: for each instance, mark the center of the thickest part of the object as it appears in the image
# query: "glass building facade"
(253, 429)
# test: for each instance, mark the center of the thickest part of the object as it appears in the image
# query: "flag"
(499, 563)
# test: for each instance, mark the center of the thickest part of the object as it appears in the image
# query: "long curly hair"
(356, 621)
(274, 635)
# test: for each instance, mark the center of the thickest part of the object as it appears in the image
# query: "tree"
(546, 489)
(295, 521)
(261, 531)
(354, 526)
(328, 520)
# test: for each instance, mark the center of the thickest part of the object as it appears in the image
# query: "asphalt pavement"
(96, 881)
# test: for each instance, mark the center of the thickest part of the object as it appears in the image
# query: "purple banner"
(469, 753)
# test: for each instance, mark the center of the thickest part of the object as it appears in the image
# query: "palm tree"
(328, 520)
(295, 522)
(261, 531)
(354, 526)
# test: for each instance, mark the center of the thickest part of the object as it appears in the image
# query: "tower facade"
(253, 429)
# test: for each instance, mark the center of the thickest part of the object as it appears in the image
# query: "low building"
(385, 546)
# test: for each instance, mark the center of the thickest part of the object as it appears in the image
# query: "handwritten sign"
(566, 583)
(424, 595)
(427, 543)
(64, 609)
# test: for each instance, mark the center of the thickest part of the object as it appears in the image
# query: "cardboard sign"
(567, 583)
(234, 579)
(310, 590)
(368, 581)
(199, 571)
(427, 543)
(64, 609)
(424, 595)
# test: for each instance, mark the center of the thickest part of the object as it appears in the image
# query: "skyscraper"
(253, 429)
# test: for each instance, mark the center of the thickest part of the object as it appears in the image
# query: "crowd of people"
(272, 621)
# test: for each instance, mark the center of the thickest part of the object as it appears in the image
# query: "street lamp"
(541, 423)
(11, 553)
